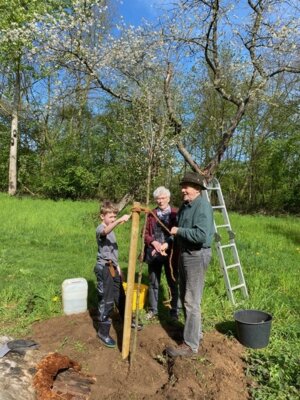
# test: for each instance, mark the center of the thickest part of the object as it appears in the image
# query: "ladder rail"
(231, 245)
(225, 275)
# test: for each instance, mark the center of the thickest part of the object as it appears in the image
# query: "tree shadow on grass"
(291, 234)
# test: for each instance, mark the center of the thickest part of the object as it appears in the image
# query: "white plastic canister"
(74, 295)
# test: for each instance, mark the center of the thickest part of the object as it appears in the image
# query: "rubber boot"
(103, 334)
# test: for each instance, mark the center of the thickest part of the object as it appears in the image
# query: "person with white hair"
(155, 256)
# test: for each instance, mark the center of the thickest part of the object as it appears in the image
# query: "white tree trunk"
(12, 186)
(12, 178)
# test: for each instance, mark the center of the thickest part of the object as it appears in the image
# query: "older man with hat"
(193, 236)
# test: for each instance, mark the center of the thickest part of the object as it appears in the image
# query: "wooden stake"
(130, 279)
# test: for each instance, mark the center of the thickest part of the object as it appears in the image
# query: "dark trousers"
(155, 270)
(110, 292)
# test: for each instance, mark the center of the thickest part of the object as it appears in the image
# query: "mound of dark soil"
(216, 373)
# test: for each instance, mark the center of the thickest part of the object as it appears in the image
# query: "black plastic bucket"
(253, 328)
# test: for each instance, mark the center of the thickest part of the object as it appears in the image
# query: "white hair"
(161, 190)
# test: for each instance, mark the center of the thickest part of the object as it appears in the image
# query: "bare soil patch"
(216, 373)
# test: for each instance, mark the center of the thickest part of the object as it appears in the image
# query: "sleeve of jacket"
(149, 238)
(200, 229)
(173, 222)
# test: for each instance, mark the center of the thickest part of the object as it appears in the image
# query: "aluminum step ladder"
(227, 253)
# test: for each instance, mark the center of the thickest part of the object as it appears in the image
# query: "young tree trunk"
(12, 182)
(12, 179)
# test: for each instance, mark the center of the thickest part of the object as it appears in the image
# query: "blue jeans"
(193, 265)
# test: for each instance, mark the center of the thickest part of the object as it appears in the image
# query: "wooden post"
(130, 279)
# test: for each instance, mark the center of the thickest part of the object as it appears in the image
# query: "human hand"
(174, 230)
(124, 218)
(156, 245)
(163, 249)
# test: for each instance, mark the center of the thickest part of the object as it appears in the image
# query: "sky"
(134, 11)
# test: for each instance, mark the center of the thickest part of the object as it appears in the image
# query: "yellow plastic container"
(142, 298)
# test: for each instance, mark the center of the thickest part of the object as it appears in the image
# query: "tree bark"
(12, 186)
(124, 201)
(13, 154)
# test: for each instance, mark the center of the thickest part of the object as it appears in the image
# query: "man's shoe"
(182, 350)
(150, 316)
(139, 327)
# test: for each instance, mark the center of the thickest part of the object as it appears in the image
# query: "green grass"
(43, 242)
(269, 250)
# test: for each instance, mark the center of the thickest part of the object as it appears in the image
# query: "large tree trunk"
(13, 154)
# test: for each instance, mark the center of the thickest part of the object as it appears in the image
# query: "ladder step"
(238, 286)
(215, 207)
(223, 226)
(227, 245)
(233, 266)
